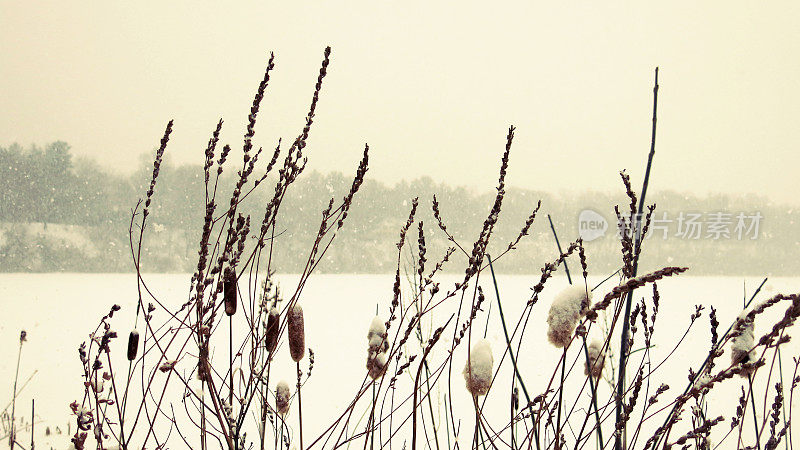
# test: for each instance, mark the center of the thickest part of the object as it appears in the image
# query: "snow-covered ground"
(59, 310)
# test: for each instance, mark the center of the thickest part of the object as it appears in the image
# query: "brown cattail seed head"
(297, 334)
(565, 312)
(273, 325)
(597, 359)
(282, 397)
(478, 370)
(742, 351)
(133, 345)
(376, 365)
(229, 291)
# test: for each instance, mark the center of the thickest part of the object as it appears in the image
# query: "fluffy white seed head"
(565, 312)
(597, 359)
(478, 370)
(376, 336)
(282, 395)
(742, 346)
(377, 345)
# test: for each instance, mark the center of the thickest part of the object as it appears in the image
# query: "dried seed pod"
(297, 334)
(565, 312)
(273, 326)
(478, 370)
(282, 395)
(229, 291)
(133, 345)
(597, 359)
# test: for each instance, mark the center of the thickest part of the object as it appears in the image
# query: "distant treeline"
(59, 213)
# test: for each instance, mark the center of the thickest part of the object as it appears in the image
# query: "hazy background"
(432, 86)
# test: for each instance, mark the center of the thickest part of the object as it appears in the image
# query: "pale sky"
(432, 86)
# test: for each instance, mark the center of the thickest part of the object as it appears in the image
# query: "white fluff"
(377, 345)
(742, 346)
(282, 395)
(478, 370)
(377, 335)
(98, 385)
(565, 312)
(702, 383)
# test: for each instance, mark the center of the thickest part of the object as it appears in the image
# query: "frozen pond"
(59, 310)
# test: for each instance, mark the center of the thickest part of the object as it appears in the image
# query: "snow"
(59, 310)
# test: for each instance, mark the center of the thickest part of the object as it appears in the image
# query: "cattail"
(478, 370)
(282, 397)
(597, 359)
(377, 336)
(133, 345)
(377, 345)
(229, 291)
(297, 335)
(376, 365)
(742, 351)
(273, 324)
(565, 312)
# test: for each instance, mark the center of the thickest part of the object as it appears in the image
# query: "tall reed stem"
(12, 436)
(755, 417)
(560, 397)
(510, 351)
(585, 348)
(300, 404)
(477, 421)
(33, 422)
(623, 354)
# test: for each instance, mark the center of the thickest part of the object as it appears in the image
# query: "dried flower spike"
(133, 345)
(229, 292)
(565, 312)
(478, 370)
(297, 335)
(597, 359)
(282, 397)
(273, 325)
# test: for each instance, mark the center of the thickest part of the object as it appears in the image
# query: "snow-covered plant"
(742, 351)
(478, 370)
(377, 345)
(282, 396)
(565, 312)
